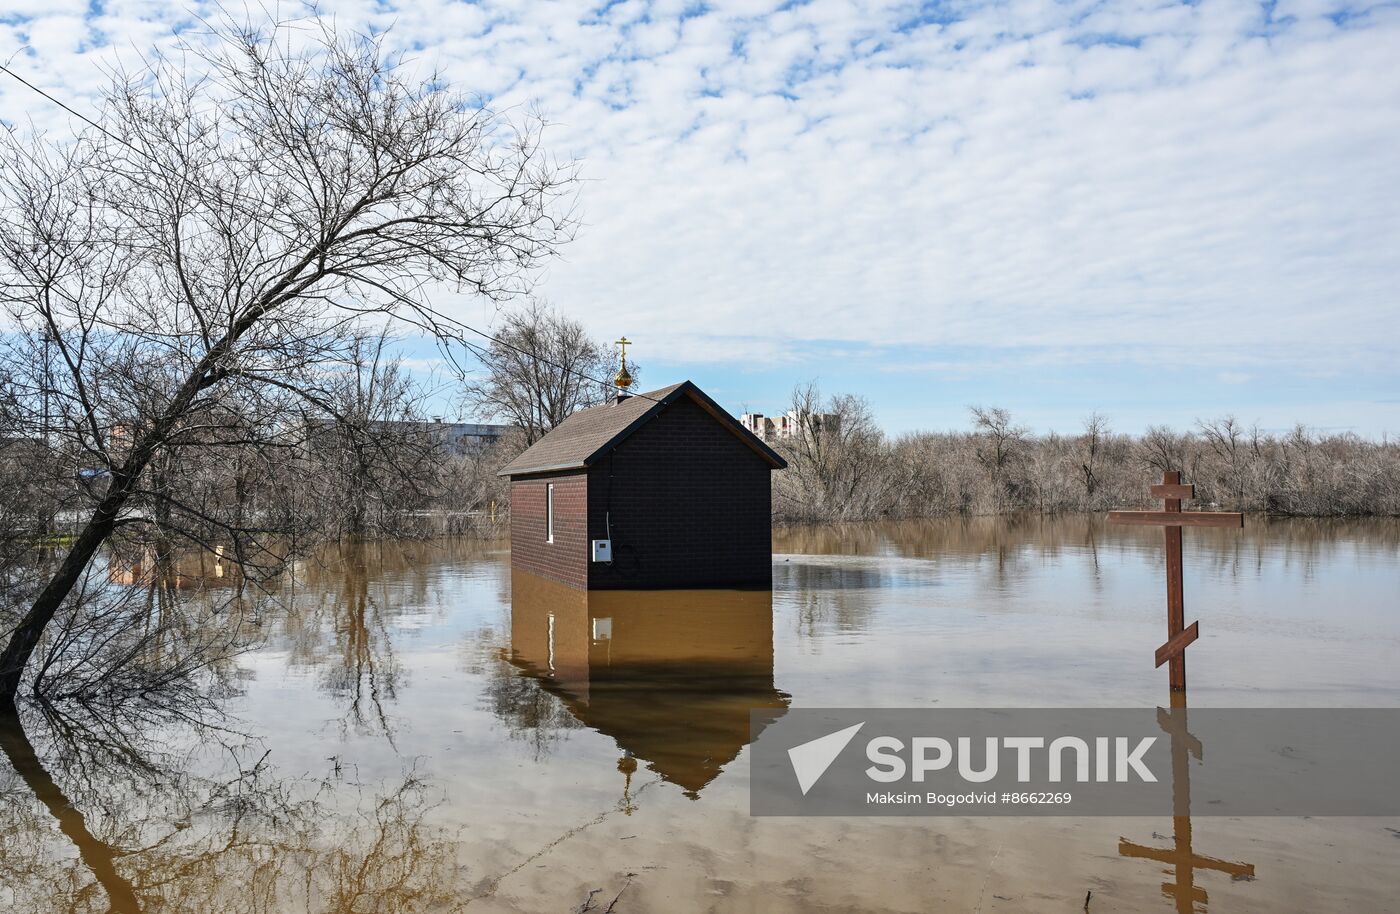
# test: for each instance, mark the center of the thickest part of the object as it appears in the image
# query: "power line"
(79, 115)
(418, 306)
(87, 120)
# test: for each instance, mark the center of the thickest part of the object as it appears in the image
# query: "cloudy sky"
(1158, 210)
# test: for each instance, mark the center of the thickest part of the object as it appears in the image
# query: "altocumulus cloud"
(1028, 174)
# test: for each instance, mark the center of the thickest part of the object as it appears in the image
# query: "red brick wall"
(565, 559)
(690, 507)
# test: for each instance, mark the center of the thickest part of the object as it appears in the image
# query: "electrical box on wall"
(602, 550)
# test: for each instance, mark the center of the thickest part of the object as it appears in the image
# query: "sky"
(1159, 211)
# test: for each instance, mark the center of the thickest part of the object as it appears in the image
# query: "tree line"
(849, 470)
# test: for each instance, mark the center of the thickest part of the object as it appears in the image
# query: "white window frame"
(549, 512)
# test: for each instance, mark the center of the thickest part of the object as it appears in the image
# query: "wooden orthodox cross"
(1179, 635)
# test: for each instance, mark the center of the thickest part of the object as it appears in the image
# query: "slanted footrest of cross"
(1178, 643)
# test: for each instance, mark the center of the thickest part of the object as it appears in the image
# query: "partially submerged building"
(658, 490)
(670, 676)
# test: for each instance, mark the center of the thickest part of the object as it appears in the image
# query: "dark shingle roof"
(588, 434)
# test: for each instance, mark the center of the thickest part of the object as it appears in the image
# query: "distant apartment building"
(770, 428)
(457, 438)
(465, 437)
(789, 425)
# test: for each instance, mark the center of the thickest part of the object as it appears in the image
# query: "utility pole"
(48, 384)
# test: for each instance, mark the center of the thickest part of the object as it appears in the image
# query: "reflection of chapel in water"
(669, 675)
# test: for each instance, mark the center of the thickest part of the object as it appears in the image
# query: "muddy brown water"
(420, 731)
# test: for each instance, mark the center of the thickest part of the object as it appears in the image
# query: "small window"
(549, 513)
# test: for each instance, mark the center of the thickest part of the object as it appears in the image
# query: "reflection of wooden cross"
(1173, 519)
(1182, 856)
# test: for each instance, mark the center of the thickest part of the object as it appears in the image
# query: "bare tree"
(838, 465)
(1226, 439)
(372, 457)
(1163, 449)
(1091, 445)
(1001, 446)
(471, 493)
(1002, 439)
(208, 245)
(540, 368)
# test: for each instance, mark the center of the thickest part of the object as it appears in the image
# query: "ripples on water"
(421, 731)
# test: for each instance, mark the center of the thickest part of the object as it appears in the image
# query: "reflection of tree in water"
(955, 538)
(939, 537)
(1307, 543)
(849, 558)
(839, 594)
(529, 712)
(146, 619)
(340, 625)
(98, 857)
(343, 604)
(820, 611)
(151, 836)
(363, 670)
(1006, 551)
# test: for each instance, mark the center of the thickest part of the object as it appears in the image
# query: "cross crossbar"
(1175, 856)
(1174, 725)
(1177, 518)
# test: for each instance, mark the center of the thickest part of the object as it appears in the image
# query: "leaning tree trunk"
(206, 372)
(104, 518)
(41, 612)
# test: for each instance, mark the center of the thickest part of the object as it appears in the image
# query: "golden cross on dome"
(624, 378)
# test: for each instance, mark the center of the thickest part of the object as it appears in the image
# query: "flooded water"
(422, 731)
